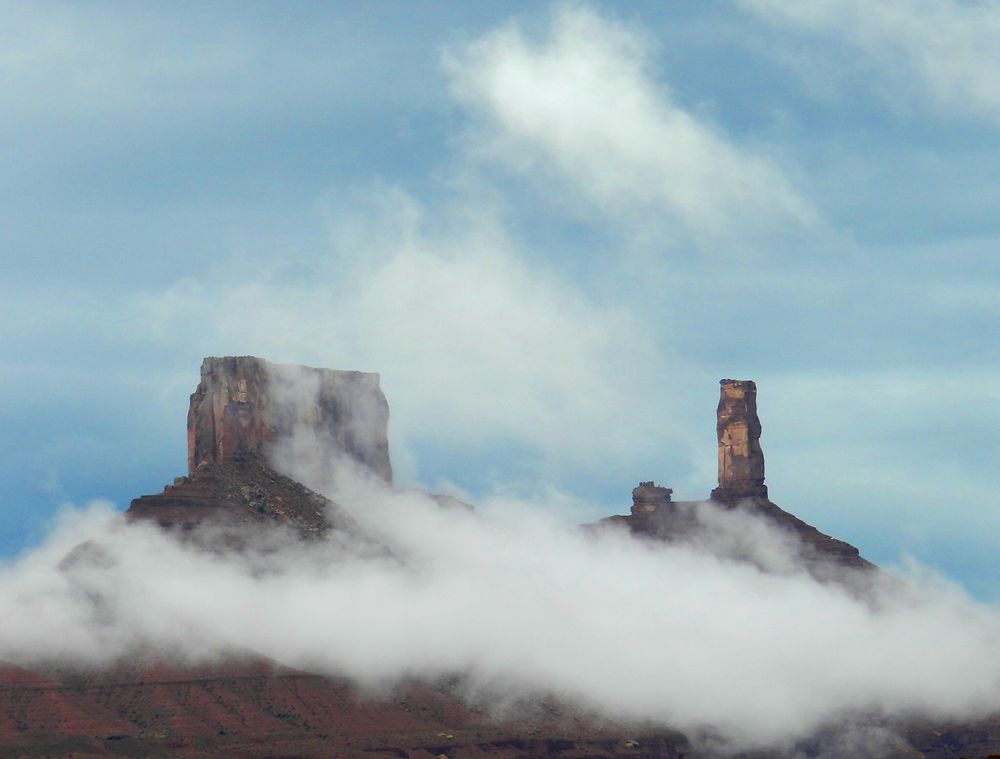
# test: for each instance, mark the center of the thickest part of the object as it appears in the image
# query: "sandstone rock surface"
(741, 460)
(246, 407)
(248, 421)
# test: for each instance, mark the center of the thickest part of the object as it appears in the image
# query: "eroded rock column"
(741, 460)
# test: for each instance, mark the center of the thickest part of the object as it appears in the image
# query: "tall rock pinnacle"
(246, 407)
(741, 461)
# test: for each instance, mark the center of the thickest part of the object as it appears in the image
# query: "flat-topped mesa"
(741, 460)
(247, 408)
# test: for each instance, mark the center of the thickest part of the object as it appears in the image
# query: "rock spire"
(741, 460)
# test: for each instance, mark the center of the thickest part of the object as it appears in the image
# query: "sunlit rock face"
(741, 460)
(246, 408)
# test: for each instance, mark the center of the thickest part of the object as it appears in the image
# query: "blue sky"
(552, 230)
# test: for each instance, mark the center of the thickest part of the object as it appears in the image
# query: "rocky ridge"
(655, 515)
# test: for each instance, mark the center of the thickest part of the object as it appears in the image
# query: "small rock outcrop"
(649, 497)
(244, 407)
(741, 460)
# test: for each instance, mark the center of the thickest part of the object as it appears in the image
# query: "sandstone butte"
(253, 707)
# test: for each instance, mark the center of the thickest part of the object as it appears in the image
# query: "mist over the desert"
(727, 632)
(460, 279)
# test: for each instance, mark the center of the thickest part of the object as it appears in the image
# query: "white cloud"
(582, 106)
(948, 47)
(475, 346)
(520, 605)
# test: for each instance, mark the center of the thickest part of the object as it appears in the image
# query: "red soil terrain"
(258, 709)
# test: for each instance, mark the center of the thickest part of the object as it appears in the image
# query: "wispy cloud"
(580, 104)
(476, 346)
(943, 51)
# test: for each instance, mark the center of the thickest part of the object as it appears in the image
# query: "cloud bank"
(726, 634)
(520, 605)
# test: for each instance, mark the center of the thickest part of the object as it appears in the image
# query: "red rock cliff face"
(246, 407)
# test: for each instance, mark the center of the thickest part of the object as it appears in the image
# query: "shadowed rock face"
(246, 407)
(649, 497)
(242, 495)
